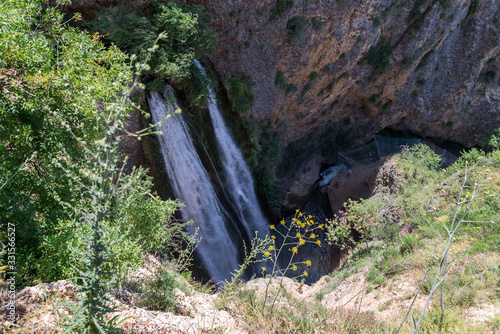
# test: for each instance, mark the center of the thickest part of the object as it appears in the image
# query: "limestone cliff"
(432, 68)
(327, 73)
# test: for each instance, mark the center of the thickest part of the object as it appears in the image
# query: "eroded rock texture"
(327, 74)
(441, 79)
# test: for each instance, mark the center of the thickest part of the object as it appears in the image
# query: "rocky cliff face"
(430, 67)
(330, 71)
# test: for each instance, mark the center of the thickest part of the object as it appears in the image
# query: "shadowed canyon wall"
(354, 67)
(433, 68)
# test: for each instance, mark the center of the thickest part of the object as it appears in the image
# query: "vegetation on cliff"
(425, 246)
(65, 98)
(187, 35)
(62, 189)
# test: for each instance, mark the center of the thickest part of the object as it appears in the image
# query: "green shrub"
(306, 88)
(159, 294)
(280, 80)
(415, 13)
(317, 23)
(264, 168)
(493, 140)
(422, 155)
(187, 35)
(44, 92)
(378, 55)
(473, 7)
(296, 28)
(195, 88)
(281, 6)
(469, 157)
(313, 75)
(240, 94)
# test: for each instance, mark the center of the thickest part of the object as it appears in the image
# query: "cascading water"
(238, 179)
(191, 184)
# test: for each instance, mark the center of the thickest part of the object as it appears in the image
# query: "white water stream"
(191, 184)
(238, 179)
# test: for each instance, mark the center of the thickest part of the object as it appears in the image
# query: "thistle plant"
(105, 194)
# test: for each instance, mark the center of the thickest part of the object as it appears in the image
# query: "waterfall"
(238, 180)
(191, 184)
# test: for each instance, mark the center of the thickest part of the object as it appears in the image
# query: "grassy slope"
(389, 275)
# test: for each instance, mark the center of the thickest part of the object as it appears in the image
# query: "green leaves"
(183, 29)
(53, 77)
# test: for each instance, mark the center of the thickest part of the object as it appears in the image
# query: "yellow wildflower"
(305, 273)
(308, 263)
(294, 267)
(273, 237)
(267, 254)
(298, 235)
(263, 269)
(318, 242)
(313, 235)
(302, 242)
(294, 250)
(321, 226)
(271, 247)
(282, 222)
(272, 227)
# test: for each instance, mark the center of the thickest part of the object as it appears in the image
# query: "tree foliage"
(59, 86)
(186, 28)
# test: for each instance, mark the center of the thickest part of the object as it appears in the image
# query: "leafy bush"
(493, 140)
(281, 6)
(159, 292)
(240, 94)
(49, 99)
(281, 82)
(187, 35)
(317, 23)
(378, 55)
(296, 28)
(264, 168)
(313, 75)
(422, 155)
(416, 13)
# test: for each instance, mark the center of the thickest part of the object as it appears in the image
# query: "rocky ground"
(41, 307)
